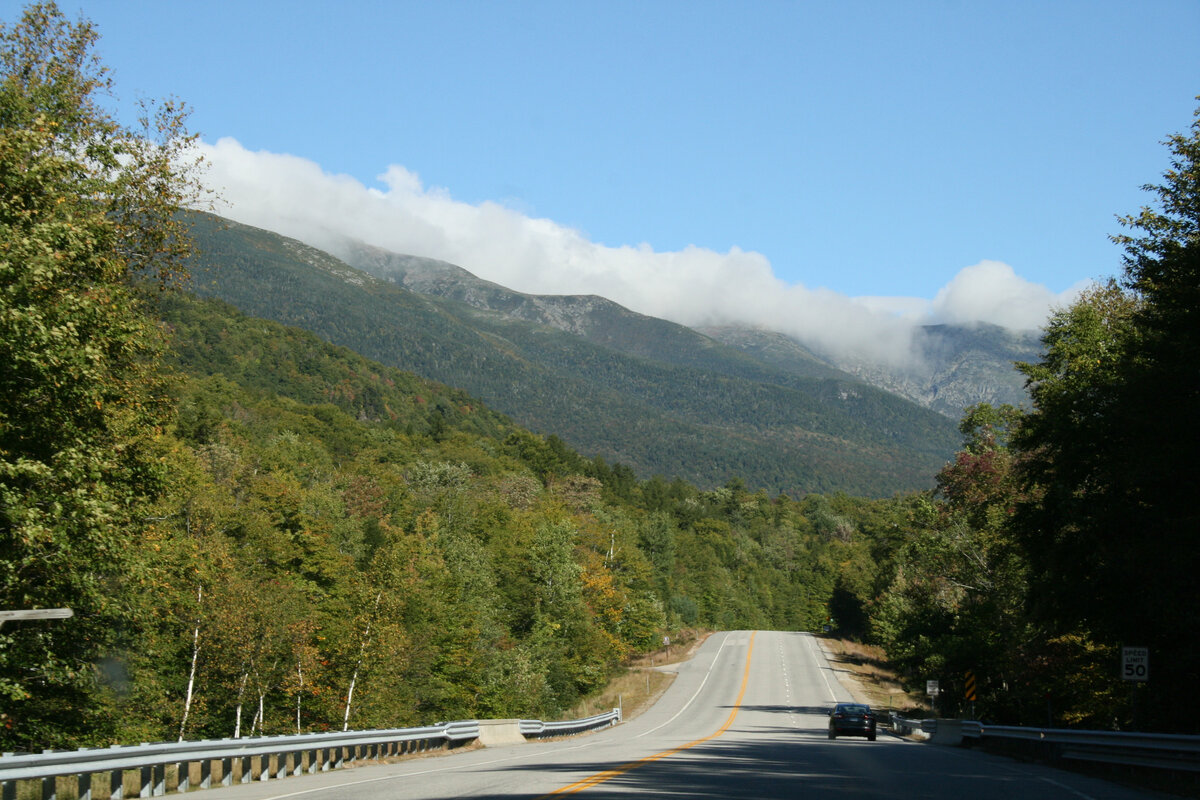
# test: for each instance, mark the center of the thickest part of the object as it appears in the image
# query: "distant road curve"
(746, 718)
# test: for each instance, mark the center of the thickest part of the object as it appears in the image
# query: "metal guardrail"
(1155, 750)
(536, 729)
(254, 759)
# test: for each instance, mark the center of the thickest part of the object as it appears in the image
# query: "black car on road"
(852, 719)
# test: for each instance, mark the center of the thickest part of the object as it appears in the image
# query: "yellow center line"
(601, 777)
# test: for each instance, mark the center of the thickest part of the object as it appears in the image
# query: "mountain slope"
(653, 395)
(957, 366)
(954, 366)
(593, 318)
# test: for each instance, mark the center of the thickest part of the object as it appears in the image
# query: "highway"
(745, 718)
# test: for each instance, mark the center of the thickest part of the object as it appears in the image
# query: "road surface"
(745, 718)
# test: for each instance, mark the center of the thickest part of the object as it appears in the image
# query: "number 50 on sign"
(1135, 663)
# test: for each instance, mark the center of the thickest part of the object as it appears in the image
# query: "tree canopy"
(86, 205)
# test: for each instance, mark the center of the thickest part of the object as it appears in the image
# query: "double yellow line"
(609, 774)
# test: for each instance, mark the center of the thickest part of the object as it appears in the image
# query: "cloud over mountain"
(295, 197)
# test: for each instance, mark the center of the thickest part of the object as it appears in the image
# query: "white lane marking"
(792, 717)
(724, 642)
(812, 645)
(1069, 789)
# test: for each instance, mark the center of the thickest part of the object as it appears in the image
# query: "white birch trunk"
(237, 728)
(191, 684)
(258, 722)
(299, 693)
(362, 649)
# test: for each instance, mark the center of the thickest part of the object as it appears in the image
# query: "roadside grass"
(641, 681)
(880, 686)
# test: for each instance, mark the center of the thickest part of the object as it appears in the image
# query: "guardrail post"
(244, 763)
(83, 786)
(49, 788)
(206, 773)
(153, 780)
(8, 789)
(227, 772)
(264, 767)
(116, 784)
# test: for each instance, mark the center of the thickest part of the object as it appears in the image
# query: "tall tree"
(1112, 525)
(86, 204)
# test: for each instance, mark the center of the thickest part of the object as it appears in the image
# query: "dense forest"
(261, 532)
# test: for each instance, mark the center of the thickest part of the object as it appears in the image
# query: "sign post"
(1135, 667)
(36, 613)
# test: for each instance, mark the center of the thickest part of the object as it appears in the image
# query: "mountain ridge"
(653, 395)
(953, 367)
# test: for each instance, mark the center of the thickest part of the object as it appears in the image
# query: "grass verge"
(867, 668)
(643, 679)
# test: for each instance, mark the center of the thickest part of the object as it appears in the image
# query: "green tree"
(86, 205)
(1072, 442)
(956, 598)
(1111, 523)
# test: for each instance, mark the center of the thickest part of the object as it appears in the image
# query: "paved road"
(745, 718)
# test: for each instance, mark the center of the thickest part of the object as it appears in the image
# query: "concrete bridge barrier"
(499, 732)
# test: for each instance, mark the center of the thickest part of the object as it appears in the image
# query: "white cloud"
(991, 291)
(692, 286)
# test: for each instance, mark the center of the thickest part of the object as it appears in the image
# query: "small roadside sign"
(1135, 663)
(931, 688)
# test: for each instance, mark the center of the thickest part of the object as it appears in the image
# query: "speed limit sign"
(1135, 663)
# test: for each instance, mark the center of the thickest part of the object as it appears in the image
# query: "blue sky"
(864, 148)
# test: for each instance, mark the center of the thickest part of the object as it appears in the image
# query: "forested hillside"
(339, 542)
(951, 368)
(655, 396)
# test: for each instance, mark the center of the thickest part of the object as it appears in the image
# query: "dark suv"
(852, 719)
